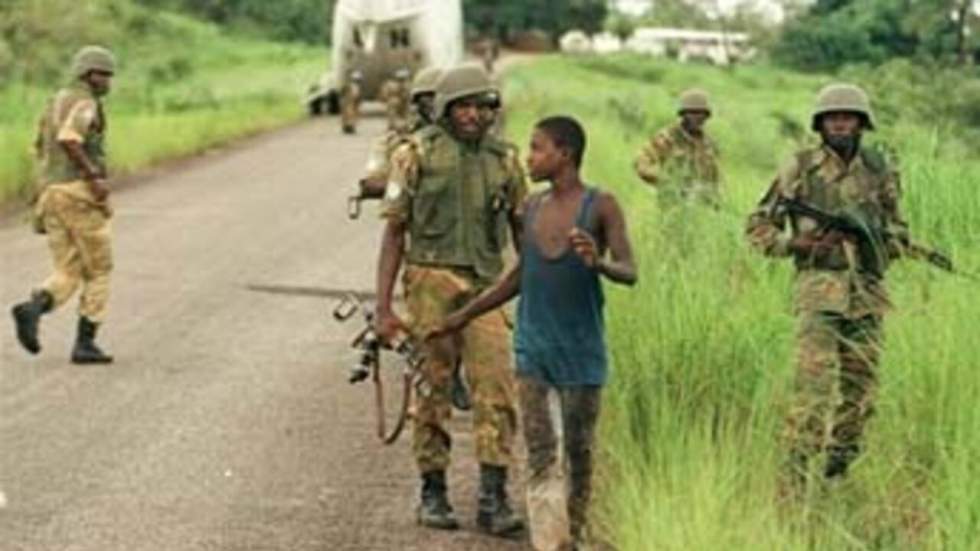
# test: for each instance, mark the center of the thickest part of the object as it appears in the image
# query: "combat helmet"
(460, 82)
(840, 97)
(425, 81)
(693, 99)
(92, 58)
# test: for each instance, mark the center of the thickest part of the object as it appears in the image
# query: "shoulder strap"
(585, 209)
(874, 160)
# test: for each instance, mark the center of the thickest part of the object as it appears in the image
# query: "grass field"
(182, 87)
(702, 347)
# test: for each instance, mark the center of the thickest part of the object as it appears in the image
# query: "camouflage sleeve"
(403, 179)
(378, 165)
(518, 189)
(766, 227)
(78, 122)
(647, 164)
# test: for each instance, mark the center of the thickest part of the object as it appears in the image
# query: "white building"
(717, 47)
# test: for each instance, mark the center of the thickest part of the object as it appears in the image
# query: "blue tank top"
(560, 336)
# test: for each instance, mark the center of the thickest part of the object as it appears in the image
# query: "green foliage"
(702, 347)
(285, 20)
(837, 32)
(506, 17)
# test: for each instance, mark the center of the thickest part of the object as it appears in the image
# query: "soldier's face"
(544, 158)
(694, 120)
(466, 120)
(100, 81)
(840, 124)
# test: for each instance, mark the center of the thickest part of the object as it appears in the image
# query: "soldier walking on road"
(72, 206)
(379, 165)
(841, 298)
(452, 194)
(350, 102)
(395, 93)
(560, 342)
(681, 161)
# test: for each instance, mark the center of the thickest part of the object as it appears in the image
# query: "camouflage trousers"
(835, 383)
(558, 502)
(79, 237)
(349, 111)
(484, 348)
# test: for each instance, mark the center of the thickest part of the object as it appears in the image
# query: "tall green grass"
(702, 348)
(182, 86)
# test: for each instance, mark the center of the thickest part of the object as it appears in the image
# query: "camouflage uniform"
(77, 226)
(76, 223)
(456, 199)
(558, 503)
(681, 166)
(839, 302)
(395, 93)
(350, 104)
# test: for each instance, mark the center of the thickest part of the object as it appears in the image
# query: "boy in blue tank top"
(559, 343)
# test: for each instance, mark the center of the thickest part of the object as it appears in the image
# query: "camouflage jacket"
(456, 200)
(395, 95)
(820, 178)
(74, 114)
(379, 159)
(681, 165)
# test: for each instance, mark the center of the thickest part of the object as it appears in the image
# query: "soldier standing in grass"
(72, 206)
(560, 338)
(350, 102)
(681, 161)
(452, 195)
(841, 298)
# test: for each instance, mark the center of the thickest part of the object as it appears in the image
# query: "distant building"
(685, 45)
(632, 7)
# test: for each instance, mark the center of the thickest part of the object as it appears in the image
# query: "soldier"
(395, 93)
(560, 340)
(422, 98)
(681, 161)
(841, 298)
(72, 206)
(452, 193)
(350, 102)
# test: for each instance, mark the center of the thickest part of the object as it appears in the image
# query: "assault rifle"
(369, 346)
(367, 189)
(870, 237)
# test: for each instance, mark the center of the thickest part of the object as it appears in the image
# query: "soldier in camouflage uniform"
(72, 206)
(350, 102)
(452, 195)
(395, 93)
(841, 300)
(378, 166)
(681, 161)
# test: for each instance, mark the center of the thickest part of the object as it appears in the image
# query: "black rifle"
(870, 237)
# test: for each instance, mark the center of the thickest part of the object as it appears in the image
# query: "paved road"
(227, 422)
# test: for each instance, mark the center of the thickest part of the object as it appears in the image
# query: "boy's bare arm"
(620, 267)
(496, 296)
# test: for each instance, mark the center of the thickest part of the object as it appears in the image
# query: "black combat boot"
(434, 510)
(27, 317)
(839, 458)
(494, 515)
(86, 351)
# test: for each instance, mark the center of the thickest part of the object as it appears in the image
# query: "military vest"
(461, 203)
(857, 189)
(56, 166)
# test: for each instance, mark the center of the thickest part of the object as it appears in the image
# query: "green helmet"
(92, 58)
(425, 81)
(461, 82)
(693, 100)
(839, 97)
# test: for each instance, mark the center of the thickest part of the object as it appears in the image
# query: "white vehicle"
(378, 37)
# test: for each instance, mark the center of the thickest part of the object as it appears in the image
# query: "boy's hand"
(585, 247)
(454, 323)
